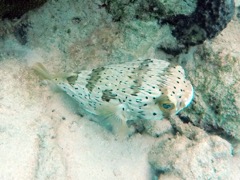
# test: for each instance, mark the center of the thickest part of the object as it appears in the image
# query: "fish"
(143, 89)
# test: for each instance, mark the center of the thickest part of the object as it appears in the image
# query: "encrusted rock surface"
(191, 22)
(207, 21)
(215, 75)
(145, 9)
(14, 9)
(182, 158)
(191, 155)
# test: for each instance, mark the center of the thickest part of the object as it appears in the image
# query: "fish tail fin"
(42, 71)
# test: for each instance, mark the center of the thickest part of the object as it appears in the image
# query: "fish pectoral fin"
(112, 119)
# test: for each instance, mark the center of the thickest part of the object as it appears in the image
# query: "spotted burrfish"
(149, 89)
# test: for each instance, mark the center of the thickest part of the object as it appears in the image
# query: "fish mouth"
(181, 105)
(189, 100)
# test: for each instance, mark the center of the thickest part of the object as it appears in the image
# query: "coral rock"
(15, 9)
(209, 18)
(182, 158)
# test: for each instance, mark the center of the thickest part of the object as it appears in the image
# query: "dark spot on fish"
(72, 79)
(94, 78)
(138, 75)
(174, 87)
(154, 114)
(108, 95)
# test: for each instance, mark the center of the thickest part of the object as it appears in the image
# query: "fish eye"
(167, 106)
